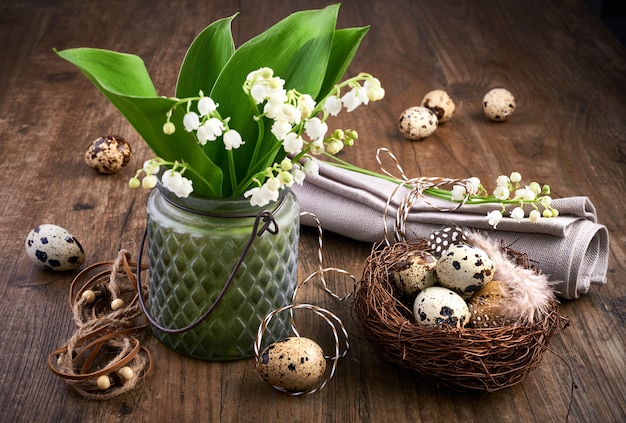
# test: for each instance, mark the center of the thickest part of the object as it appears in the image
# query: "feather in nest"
(528, 293)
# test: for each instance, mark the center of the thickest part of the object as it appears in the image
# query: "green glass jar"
(193, 246)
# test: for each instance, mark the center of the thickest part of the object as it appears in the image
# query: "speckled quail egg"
(464, 269)
(486, 306)
(414, 272)
(108, 154)
(440, 240)
(437, 305)
(54, 248)
(417, 122)
(499, 104)
(440, 103)
(294, 364)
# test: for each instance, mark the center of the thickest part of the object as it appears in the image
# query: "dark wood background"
(567, 71)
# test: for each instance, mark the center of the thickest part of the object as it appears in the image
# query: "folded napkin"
(572, 249)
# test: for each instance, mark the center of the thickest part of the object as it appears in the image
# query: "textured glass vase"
(193, 246)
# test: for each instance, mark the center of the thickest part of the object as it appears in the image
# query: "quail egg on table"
(417, 122)
(499, 104)
(486, 306)
(464, 269)
(294, 364)
(437, 305)
(414, 272)
(440, 103)
(54, 248)
(108, 154)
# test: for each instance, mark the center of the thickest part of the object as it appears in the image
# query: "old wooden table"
(566, 70)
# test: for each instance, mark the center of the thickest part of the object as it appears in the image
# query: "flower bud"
(338, 134)
(334, 146)
(286, 164)
(149, 182)
(534, 187)
(285, 178)
(169, 128)
(134, 183)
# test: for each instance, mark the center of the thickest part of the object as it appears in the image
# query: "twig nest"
(498, 104)
(460, 357)
(487, 304)
(293, 364)
(436, 305)
(464, 269)
(414, 272)
(108, 154)
(440, 103)
(54, 248)
(417, 122)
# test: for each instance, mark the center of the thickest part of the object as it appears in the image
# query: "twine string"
(340, 336)
(321, 270)
(416, 186)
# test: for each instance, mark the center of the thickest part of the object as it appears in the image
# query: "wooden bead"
(89, 296)
(126, 373)
(103, 382)
(117, 303)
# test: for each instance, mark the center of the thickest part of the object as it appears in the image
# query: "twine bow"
(417, 187)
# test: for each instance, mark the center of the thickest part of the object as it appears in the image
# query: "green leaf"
(124, 80)
(205, 59)
(297, 48)
(117, 72)
(345, 45)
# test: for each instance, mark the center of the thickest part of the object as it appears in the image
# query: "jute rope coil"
(105, 341)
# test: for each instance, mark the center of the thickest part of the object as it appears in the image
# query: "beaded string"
(103, 358)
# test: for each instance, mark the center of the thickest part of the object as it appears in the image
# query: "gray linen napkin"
(571, 249)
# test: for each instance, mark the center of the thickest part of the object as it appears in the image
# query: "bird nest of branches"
(462, 358)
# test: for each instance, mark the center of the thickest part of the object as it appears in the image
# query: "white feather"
(527, 294)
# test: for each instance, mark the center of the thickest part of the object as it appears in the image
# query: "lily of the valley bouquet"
(244, 121)
(248, 121)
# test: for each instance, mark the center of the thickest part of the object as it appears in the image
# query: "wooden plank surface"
(568, 74)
